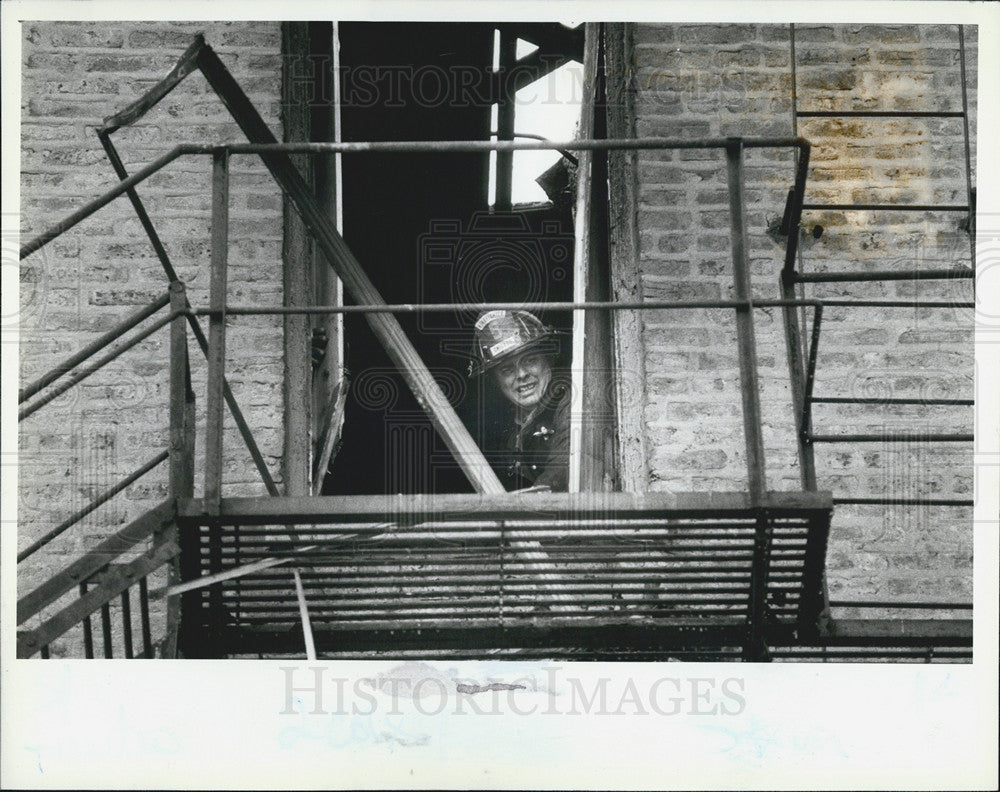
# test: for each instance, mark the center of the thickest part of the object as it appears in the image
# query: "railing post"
(745, 339)
(798, 369)
(793, 332)
(756, 646)
(181, 454)
(217, 329)
(181, 461)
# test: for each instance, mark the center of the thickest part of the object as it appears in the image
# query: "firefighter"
(521, 356)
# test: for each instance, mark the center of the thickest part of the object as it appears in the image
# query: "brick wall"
(82, 284)
(690, 81)
(720, 80)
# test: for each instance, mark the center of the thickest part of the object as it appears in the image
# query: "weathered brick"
(86, 282)
(812, 33)
(81, 36)
(255, 35)
(716, 34)
(665, 220)
(653, 34)
(881, 34)
(668, 244)
(840, 67)
(162, 38)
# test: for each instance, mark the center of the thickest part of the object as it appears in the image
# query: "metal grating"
(616, 584)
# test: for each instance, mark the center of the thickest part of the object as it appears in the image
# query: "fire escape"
(584, 574)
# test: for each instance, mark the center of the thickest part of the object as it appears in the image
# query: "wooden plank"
(81, 569)
(581, 258)
(230, 574)
(598, 459)
(217, 330)
(182, 439)
(328, 381)
(181, 465)
(114, 583)
(626, 283)
(332, 425)
(307, 633)
(329, 509)
(296, 253)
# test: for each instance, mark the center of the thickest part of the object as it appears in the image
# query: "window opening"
(546, 108)
(525, 48)
(549, 107)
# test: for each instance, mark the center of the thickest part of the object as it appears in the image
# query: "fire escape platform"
(590, 572)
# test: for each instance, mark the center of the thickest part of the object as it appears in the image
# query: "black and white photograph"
(403, 374)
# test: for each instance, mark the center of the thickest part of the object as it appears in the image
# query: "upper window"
(546, 109)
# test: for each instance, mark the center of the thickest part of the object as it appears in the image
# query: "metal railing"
(276, 157)
(73, 378)
(803, 376)
(182, 468)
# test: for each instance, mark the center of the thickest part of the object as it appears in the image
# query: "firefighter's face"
(525, 378)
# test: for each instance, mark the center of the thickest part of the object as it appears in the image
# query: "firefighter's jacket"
(536, 451)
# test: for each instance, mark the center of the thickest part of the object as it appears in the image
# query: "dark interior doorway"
(420, 225)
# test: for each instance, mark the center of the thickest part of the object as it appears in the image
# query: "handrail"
(97, 366)
(433, 146)
(253, 310)
(101, 499)
(505, 306)
(91, 349)
(473, 146)
(887, 604)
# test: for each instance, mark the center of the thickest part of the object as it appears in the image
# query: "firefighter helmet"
(500, 335)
